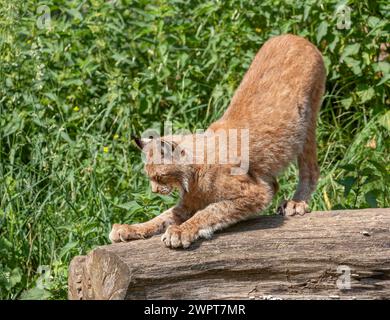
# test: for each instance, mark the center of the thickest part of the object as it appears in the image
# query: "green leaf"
(354, 65)
(322, 30)
(68, 247)
(371, 197)
(5, 246)
(130, 206)
(66, 137)
(338, 206)
(306, 11)
(371, 178)
(72, 82)
(348, 167)
(373, 21)
(75, 14)
(366, 94)
(350, 50)
(35, 294)
(382, 66)
(347, 102)
(385, 79)
(328, 64)
(15, 277)
(385, 120)
(348, 183)
(380, 167)
(366, 172)
(332, 45)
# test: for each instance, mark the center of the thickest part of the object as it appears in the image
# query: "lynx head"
(166, 164)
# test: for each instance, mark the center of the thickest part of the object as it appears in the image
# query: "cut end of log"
(322, 255)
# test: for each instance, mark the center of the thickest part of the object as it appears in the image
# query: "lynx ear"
(141, 142)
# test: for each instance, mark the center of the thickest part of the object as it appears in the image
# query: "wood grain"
(269, 257)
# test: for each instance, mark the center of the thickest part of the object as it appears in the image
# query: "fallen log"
(322, 255)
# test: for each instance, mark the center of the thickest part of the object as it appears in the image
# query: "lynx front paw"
(292, 208)
(177, 236)
(125, 232)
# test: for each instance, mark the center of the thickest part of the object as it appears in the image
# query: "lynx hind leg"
(308, 177)
(292, 208)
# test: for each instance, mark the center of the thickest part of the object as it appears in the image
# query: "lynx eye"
(158, 179)
(155, 178)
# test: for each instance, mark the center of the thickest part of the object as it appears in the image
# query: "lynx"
(277, 103)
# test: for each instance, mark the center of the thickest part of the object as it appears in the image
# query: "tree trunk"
(322, 255)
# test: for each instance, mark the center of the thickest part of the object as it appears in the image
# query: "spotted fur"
(278, 102)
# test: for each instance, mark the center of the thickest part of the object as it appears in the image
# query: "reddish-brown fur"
(278, 101)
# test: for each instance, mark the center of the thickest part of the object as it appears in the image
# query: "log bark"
(269, 257)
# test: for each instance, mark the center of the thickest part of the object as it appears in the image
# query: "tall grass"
(72, 94)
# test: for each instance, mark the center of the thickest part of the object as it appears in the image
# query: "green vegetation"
(73, 92)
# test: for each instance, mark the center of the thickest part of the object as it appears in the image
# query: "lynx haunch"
(277, 102)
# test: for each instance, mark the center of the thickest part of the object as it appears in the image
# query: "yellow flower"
(105, 149)
(116, 136)
(76, 108)
(258, 30)
(371, 144)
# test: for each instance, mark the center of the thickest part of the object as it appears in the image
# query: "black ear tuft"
(141, 143)
(137, 141)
